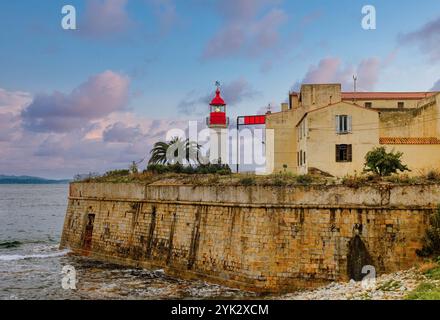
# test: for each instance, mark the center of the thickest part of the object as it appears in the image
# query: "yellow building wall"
(322, 138)
(284, 148)
(422, 122)
(420, 159)
(387, 104)
(319, 95)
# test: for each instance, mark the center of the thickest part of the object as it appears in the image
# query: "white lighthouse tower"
(218, 123)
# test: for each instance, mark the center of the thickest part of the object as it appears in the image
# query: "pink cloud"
(427, 38)
(13, 101)
(99, 96)
(436, 86)
(87, 130)
(332, 70)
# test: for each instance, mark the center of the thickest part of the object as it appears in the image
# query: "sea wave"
(10, 244)
(14, 257)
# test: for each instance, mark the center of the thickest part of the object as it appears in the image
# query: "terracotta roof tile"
(397, 140)
(386, 95)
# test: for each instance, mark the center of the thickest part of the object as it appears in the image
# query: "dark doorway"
(357, 258)
(88, 236)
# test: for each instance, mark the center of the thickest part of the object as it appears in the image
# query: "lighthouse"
(218, 124)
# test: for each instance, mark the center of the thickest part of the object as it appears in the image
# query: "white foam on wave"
(14, 257)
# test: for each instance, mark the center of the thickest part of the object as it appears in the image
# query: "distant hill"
(28, 180)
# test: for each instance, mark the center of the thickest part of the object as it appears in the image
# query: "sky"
(98, 97)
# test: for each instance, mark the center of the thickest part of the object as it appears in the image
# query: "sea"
(32, 267)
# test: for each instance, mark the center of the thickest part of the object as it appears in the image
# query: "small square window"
(344, 153)
(343, 124)
(368, 105)
(400, 105)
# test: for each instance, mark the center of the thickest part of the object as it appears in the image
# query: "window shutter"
(337, 124)
(349, 153)
(349, 120)
(337, 153)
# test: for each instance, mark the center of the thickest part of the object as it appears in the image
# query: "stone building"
(326, 129)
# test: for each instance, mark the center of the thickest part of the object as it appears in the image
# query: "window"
(297, 159)
(400, 105)
(304, 157)
(344, 153)
(343, 124)
(300, 158)
(368, 105)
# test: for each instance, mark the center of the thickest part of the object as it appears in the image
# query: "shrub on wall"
(221, 169)
(383, 163)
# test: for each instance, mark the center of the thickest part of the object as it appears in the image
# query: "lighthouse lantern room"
(218, 123)
(217, 117)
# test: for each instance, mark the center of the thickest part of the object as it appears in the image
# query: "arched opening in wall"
(357, 258)
(88, 234)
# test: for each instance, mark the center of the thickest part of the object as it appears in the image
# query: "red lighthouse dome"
(218, 100)
(217, 117)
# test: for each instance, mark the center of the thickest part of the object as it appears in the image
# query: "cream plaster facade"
(307, 138)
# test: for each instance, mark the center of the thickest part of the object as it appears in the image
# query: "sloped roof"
(386, 95)
(333, 104)
(400, 140)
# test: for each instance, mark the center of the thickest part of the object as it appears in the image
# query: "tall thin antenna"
(354, 83)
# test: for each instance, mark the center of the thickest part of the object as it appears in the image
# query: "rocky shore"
(394, 286)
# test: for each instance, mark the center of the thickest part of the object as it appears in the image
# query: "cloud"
(95, 131)
(11, 105)
(368, 73)
(120, 132)
(332, 70)
(436, 86)
(245, 31)
(233, 93)
(99, 96)
(13, 101)
(104, 18)
(427, 38)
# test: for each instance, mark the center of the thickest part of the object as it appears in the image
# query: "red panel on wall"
(254, 120)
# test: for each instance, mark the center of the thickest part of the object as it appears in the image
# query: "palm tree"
(175, 151)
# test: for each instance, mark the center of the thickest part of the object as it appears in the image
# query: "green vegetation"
(431, 246)
(247, 181)
(211, 174)
(425, 291)
(221, 169)
(382, 163)
(430, 288)
(390, 285)
(175, 151)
